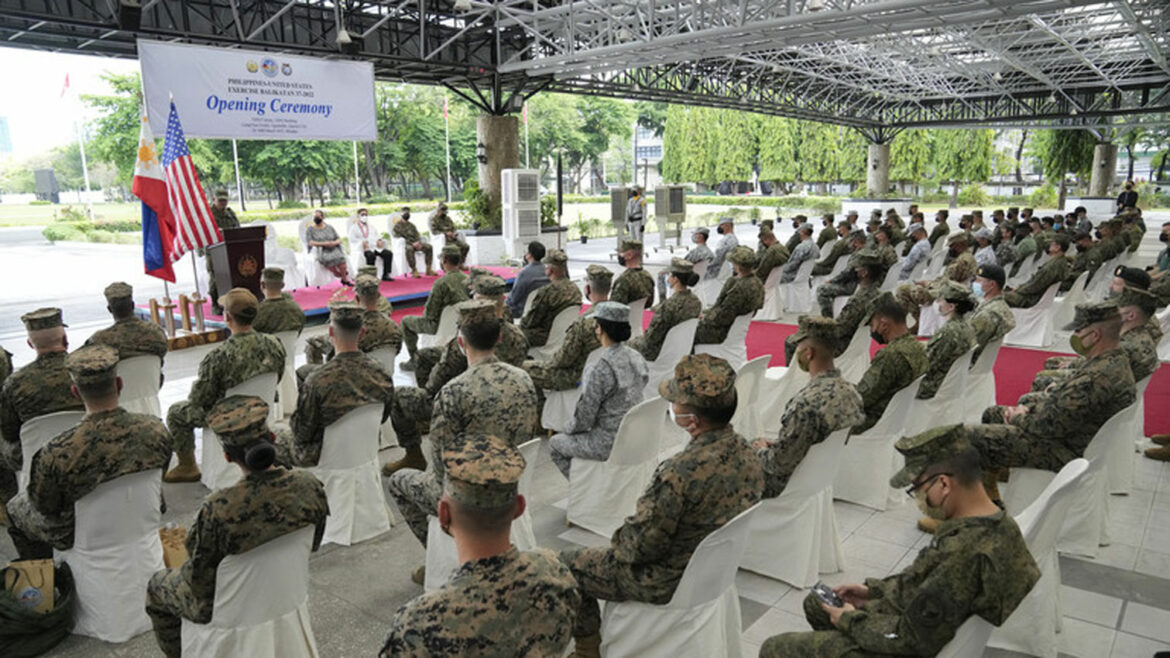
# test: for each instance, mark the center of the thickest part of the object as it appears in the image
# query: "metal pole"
(84, 169)
(527, 164)
(357, 179)
(239, 181)
(447, 122)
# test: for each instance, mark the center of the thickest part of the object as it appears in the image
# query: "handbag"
(23, 631)
(31, 583)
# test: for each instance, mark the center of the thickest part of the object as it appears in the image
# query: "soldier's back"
(633, 284)
(277, 315)
(379, 331)
(244, 356)
(41, 387)
(132, 337)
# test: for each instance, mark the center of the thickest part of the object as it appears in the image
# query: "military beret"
(483, 472)
(766, 232)
(239, 420)
(984, 234)
(611, 312)
(555, 257)
(914, 227)
(366, 284)
(42, 318)
(700, 380)
(630, 245)
(1143, 299)
(818, 328)
(118, 290)
(92, 364)
(346, 315)
(704, 230)
(273, 274)
(1133, 277)
(727, 220)
(598, 273)
(1092, 313)
(221, 194)
(957, 237)
(993, 272)
(866, 257)
(681, 266)
(452, 250)
(475, 311)
(953, 291)
(742, 255)
(241, 303)
(923, 450)
(371, 270)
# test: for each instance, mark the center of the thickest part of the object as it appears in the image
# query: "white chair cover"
(556, 333)
(707, 290)
(869, 459)
(559, 406)
(854, 361)
(357, 256)
(386, 355)
(637, 309)
(891, 281)
(140, 384)
(929, 320)
(1065, 307)
(1032, 627)
(398, 249)
(773, 306)
(970, 640)
(36, 432)
(349, 469)
(677, 344)
(733, 349)
(1119, 468)
(980, 393)
(1025, 272)
(602, 494)
(218, 472)
(838, 304)
(315, 273)
(701, 620)
(838, 267)
(282, 257)
(286, 403)
(938, 257)
(748, 381)
(794, 536)
(797, 295)
(947, 406)
(446, 331)
(1098, 286)
(116, 549)
(781, 384)
(1034, 325)
(261, 604)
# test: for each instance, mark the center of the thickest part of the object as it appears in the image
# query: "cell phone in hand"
(827, 595)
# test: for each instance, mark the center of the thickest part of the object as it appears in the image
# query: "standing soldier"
(636, 214)
(224, 218)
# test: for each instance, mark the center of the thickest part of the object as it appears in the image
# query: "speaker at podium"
(239, 259)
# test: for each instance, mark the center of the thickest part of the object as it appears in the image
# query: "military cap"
(886, 305)
(118, 290)
(241, 303)
(476, 310)
(844, 223)
(993, 272)
(346, 315)
(851, 213)
(923, 450)
(42, 318)
(874, 221)
(489, 285)
(857, 234)
(704, 230)
(1115, 222)
(766, 232)
(239, 420)
(630, 245)
(914, 227)
(474, 272)
(221, 194)
(983, 234)
(957, 237)
(829, 216)
(611, 312)
(555, 257)
(805, 227)
(92, 364)
(866, 257)
(1082, 235)
(483, 472)
(818, 328)
(700, 380)
(273, 274)
(742, 255)
(1091, 313)
(1133, 277)
(727, 220)
(769, 223)
(365, 284)
(800, 219)
(598, 273)
(681, 266)
(952, 291)
(1143, 299)
(371, 270)
(452, 250)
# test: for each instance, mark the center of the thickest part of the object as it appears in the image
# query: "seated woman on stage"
(332, 257)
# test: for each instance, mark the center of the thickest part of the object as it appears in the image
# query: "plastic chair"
(602, 494)
(286, 402)
(315, 273)
(869, 459)
(386, 355)
(140, 383)
(749, 380)
(980, 392)
(216, 471)
(261, 607)
(794, 536)
(637, 310)
(349, 469)
(675, 346)
(947, 406)
(702, 618)
(707, 290)
(116, 549)
(854, 361)
(36, 432)
(1098, 286)
(1119, 468)
(556, 333)
(1065, 307)
(773, 306)
(970, 640)
(397, 247)
(838, 268)
(559, 406)
(1032, 626)
(1034, 326)
(446, 331)
(797, 295)
(281, 257)
(733, 349)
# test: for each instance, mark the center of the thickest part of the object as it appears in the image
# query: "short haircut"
(42, 338)
(1062, 241)
(370, 295)
(97, 390)
(888, 307)
(717, 416)
(601, 285)
(536, 250)
(452, 259)
(1111, 328)
(345, 333)
(481, 334)
(121, 308)
(966, 467)
(617, 331)
(482, 520)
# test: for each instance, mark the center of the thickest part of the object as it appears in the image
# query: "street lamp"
(481, 153)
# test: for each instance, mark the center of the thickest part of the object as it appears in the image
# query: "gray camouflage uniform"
(806, 250)
(728, 243)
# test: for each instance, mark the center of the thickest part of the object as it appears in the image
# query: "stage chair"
(734, 347)
(702, 619)
(349, 469)
(357, 256)
(261, 607)
(797, 295)
(970, 640)
(527, 306)
(602, 494)
(446, 331)
(282, 257)
(773, 306)
(1119, 469)
(869, 459)
(1034, 326)
(315, 273)
(140, 383)
(749, 380)
(947, 405)
(1064, 308)
(794, 535)
(675, 346)
(286, 403)
(559, 406)
(218, 472)
(980, 392)
(556, 333)
(36, 432)
(116, 549)
(854, 361)
(397, 247)
(637, 309)
(1032, 627)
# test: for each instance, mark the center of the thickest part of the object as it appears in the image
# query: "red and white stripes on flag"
(194, 225)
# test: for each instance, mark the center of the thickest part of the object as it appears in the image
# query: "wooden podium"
(239, 259)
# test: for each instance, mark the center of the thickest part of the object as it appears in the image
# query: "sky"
(38, 118)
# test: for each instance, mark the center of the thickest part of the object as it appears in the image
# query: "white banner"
(246, 94)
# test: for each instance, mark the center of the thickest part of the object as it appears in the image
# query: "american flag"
(194, 225)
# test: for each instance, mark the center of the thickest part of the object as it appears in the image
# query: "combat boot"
(413, 459)
(431, 272)
(587, 646)
(928, 525)
(419, 575)
(1161, 439)
(186, 471)
(1161, 453)
(414, 272)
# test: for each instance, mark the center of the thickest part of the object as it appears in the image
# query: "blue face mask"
(1058, 226)
(977, 288)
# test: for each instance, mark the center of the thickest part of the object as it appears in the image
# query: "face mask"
(1165, 237)
(406, 215)
(1097, 234)
(878, 338)
(1078, 344)
(364, 217)
(977, 289)
(674, 417)
(317, 220)
(719, 230)
(803, 360)
(1058, 226)
(952, 252)
(622, 260)
(935, 512)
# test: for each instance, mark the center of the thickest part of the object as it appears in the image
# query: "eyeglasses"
(925, 483)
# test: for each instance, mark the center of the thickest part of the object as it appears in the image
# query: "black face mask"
(621, 260)
(1165, 237)
(1081, 248)
(878, 338)
(719, 230)
(406, 215)
(317, 220)
(952, 252)
(1097, 234)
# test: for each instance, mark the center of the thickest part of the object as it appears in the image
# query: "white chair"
(282, 257)
(677, 344)
(261, 607)
(702, 618)
(869, 459)
(1164, 344)
(286, 402)
(947, 405)
(357, 256)
(446, 331)
(838, 268)
(1064, 308)
(602, 494)
(116, 549)
(1034, 325)
(794, 536)
(733, 349)
(36, 432)
(980, 392)
(386, 355)
(559, 406)
(749, 380)
(891, 281)
(854, 361)
(1024, 273)
(970, 640)
(397, 247)
(140, 383)
(349, 469)
(929, 320)
(773, 306)
(780, 385)
(1119, 467)
(797, 295)
(1032, 627)
(1098, 286)
(556, 333)
(707, 290)
(637, 314)
(315, 273)
(216, 471)
(839, 303)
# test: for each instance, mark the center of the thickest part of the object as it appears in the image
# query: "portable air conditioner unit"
(520, 198)
(618, 198)
(670, 209)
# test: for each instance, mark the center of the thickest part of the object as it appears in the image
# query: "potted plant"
(582, 227)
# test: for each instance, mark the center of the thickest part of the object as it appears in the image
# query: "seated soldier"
(550, 300)
(1128, 277)
(992, 319)
(563, 371)
(774, 254)
(451, 288)
(840, 248)
(895, 366)
(278, 311)
(129, 335)
(713, 479)
(697, 254)
(633, 283)
(826, 404)
(805, 250)
(529, 279)
(726, 228)
(845, 282)
(681, 306)
(919, 252)
(950, 341)
(403, 228)
(378, 330)
(941, 228)
(742, 294)
(1053, 270)
(961, 269)
(867, 270)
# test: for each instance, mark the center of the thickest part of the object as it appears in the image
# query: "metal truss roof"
(877, 65)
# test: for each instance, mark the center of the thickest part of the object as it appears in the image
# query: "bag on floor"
(24, 632)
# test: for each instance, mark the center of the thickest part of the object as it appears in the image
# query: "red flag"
(444, 107)
(524, 112)
(66, 87)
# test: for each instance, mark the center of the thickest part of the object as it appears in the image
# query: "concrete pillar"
(1104, 164)
(877, 170)
(499, 137)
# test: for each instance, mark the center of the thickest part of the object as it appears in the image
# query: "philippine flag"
(158, 225)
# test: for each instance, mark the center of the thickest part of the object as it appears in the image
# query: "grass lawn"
(25, 215)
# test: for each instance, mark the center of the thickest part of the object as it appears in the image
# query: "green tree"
(737, 148)
(777, 151)
(963, 156)
(910, 156)
(113, 135)
(651, 115)
(1063, 152)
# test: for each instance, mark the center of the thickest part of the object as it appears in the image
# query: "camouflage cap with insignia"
(1134, 277)
(874, 221)
(742, 255)
(611, 312)
(483, 472)
(452, 250)
(700, 380)
(1143, 299)
(239, 420)
(92, 364)
(805, 228)
(366, 285)
(818, 328)
(474, 272)
(1092, 313)
(476, 310)
(118, 290)
(923, 450)
(630, 245)
(961, 236)
(555, 257)
(371, 270)
(346, 315)
(681, 266)
(844, 223)
(43, 318)
(273, 275)
(952, 291)
(866, 257)
(598, 273)
(221, 194)
(489, 285)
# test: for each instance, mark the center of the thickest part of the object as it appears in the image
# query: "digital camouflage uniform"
(893, 368)
(451, 288)
(951, 341)
(631, 285)
(843, 284)
(678, 308)
(5, 365)
(853, 313)
(1053, 270)
(739, 296)
(132, 337)
(409, 232)
(277, 315)
(380, 331)
(990, 321)
(1139, 344)
(806, 250)
(563, 371)
(547, 302)
(940, 230)
(440, 223)
(887, 254)
(39, 388)
(913, 296)
(774, 256)
(973, 566)
(825, 265)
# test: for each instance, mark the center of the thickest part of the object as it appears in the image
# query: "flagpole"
(527, 165)
(239, 182)
(357, 179)
(447, 122)
(84, 169)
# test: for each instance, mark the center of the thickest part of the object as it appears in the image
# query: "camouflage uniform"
(41, 387)
(696, 255)
(990, 321)
(728, 243)
(774, 256)
(1054, 270)
(563, 371)
(893, 368)
(913, 296)
(806, 250)
(826, 264)
(380, 331)
(855, 311)
(5, 365)
(277, 315)
(631, 285)
(739, 296)
(678, 308)
(132, 337)
(952, 341)
(827, 235)
(451, 288)
(887, 254)
(940, 230)
(409, 232)
(440, 222)
(547, 302)
(1139, 344)
(841, 285)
